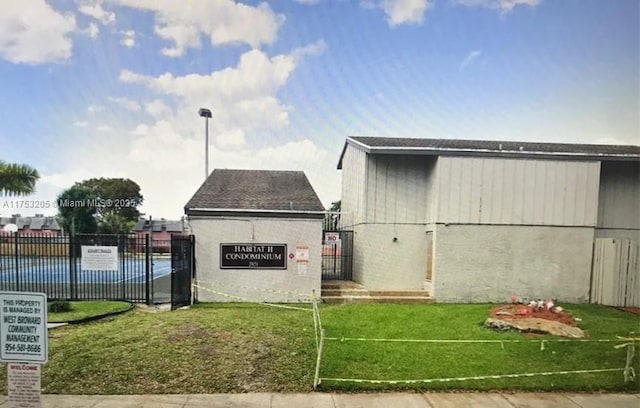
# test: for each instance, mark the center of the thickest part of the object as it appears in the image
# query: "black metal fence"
(54, 265)
(337, 255)
(182, 270)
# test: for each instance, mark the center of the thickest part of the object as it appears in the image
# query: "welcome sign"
(253, 256)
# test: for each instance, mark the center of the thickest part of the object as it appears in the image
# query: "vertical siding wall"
(619, 202)
(517, 191)
(353, 186)
(400, 189)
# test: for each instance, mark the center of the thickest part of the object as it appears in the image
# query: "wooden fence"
(615, 278)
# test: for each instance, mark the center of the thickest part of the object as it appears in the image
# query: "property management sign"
(23, 327)
(253, 256)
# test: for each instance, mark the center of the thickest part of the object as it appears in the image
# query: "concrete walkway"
(322, 400)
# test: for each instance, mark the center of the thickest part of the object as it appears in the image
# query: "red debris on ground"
(515, 311)
(631, 309)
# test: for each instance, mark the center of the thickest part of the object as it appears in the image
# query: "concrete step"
(389, 293)
(344, 292)
(377, 299)
(341, 285)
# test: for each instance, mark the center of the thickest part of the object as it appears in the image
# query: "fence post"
(147, 268)
(16, 259)
(316, 378)
(73, 273)
(121, 247)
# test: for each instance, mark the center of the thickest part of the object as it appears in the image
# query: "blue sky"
(111, 88)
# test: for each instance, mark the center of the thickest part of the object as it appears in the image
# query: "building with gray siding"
(477, 221)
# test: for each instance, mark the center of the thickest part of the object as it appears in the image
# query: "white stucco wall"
(381, 263)
(488, 263)
(271, 285)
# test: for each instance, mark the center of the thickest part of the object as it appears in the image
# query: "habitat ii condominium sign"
(253, 256)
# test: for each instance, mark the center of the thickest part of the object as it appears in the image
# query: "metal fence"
(337, 255)
(53, 265)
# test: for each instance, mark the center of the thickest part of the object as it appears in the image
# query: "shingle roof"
(159, 225)
(262, 190)
(33, 223)
(390, 145)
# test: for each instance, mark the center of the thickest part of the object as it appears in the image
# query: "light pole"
(206, 114)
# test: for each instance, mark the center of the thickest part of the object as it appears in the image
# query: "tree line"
(110, 205)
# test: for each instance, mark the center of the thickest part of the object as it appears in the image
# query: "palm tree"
(17, 179)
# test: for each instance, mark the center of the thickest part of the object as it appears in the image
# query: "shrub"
(59, 306)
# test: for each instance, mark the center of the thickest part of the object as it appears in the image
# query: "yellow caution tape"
(251, 301)
(482, 377)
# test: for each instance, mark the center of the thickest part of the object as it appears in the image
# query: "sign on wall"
(23, 327)
(302, 259)
(253, 256)
(99, 258)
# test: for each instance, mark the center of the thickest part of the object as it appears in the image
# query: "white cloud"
(104, 128)
(93, 8)
(307, 1)
(128, 38)
(91, 31)
(158, 109)
(95, 108)
(405, 11)
(504, 6)
(241, 99)
(34, 33)
(125, 103)
(469, 59)
(223, 21)
(80, 124)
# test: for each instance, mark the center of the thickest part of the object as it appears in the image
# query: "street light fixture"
(206, 113)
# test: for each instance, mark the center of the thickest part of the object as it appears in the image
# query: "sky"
(112, 88)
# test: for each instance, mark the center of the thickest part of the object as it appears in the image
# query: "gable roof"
(496, 148)
(256, 191)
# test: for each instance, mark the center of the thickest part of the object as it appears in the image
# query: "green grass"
(214, 348)
(413, 361)
(83, 310)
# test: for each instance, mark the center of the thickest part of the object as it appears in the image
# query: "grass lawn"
(412, 361)
(83, 310)
(247, 347)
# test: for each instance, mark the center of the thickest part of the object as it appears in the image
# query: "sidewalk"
(322, 400)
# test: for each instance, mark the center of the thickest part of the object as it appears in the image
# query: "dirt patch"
(527, 319)
(630, 309)
(514, 312)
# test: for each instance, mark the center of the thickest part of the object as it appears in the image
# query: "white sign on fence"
(24, 385)
(23, 327)
(99, 258)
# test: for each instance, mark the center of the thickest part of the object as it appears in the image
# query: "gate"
(615, 277)
(182, 269)
(337, 255)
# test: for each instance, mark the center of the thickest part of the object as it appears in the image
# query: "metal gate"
(182, 269)
(337, 255)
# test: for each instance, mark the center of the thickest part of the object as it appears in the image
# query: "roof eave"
(256, 212)
(351, 141)
(497, 153)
